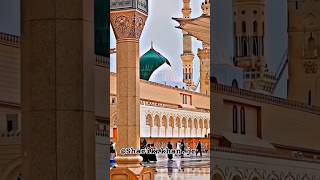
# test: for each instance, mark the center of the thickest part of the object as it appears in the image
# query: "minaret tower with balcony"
(249, 40)
(204, 56)
(187, 56)
(303, 51)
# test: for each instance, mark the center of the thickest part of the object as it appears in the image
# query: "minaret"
(187, 56)
(204, 56)
(303, 51)
(249, 50)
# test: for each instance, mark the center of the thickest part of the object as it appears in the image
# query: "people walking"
(199, 149)
(169, 146)
(182, 148)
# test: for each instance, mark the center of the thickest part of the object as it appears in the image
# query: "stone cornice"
(262, 154)
(262, 98)
(166, 86)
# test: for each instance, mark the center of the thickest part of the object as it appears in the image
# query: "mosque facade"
(255, 134)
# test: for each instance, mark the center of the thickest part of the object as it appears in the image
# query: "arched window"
(214, 80)
(255, 26)
(255, 47)
(235, 119)
(245, 48)
(244, 28)
(234, 84)
(236, 177)
(312, 47)
(309, 98)
(243, 120)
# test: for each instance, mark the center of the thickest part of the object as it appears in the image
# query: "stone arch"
(289, 177)
(184, 122)
(164, 121)
(305, 177)
(178, 122)
(273, 176)
(236, 177)
(157, 120)
(171, 122)
(234, 84)
(149, 120)
(214, 80)
(217, 176)
(206, 125)
(201, 124)
(195, 123)
(190, 123)
(114, 119)
(12, 170)
(218, 173)
(254, 175)
(255, 178)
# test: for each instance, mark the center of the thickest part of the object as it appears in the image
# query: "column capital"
(128, 25)
(204, 54)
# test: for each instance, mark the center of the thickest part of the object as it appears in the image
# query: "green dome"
(149, 62)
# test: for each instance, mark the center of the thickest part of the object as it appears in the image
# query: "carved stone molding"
(128, 24)
(311, 67)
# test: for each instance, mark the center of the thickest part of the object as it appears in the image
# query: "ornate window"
(243, 120)
(234, 84)
(244, 28)
(311, 50)
(12, 122)
(255, 47)
(164, 121)
(235, 119)
(171, 122)
(157, 120)
(245, 48)
(309, 98)
(149, 120)
(255, 26)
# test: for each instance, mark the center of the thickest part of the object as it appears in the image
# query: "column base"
(131, 173)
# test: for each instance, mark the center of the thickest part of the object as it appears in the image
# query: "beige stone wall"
(9, 73)
(282, 122)
(304, 54)
(165, 94)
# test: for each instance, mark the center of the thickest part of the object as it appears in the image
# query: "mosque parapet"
(259, 97)
(102, 61)
(9, 39)
(289, 156)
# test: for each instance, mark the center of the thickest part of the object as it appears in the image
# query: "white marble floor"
(189, 168)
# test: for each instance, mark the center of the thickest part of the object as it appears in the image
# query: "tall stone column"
(128, 25)
(58, 118)
(204, 56)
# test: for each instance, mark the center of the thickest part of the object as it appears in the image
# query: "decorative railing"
(102, 61)
(101, 133)
(9, 39)
(228, 90)
(10, 134)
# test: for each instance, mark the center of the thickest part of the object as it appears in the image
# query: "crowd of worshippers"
(179, 146)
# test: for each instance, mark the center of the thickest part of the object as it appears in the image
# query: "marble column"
(128, 26)
(58, 131)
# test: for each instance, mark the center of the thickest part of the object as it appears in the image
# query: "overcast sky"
(10, 16)
(160, 28)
